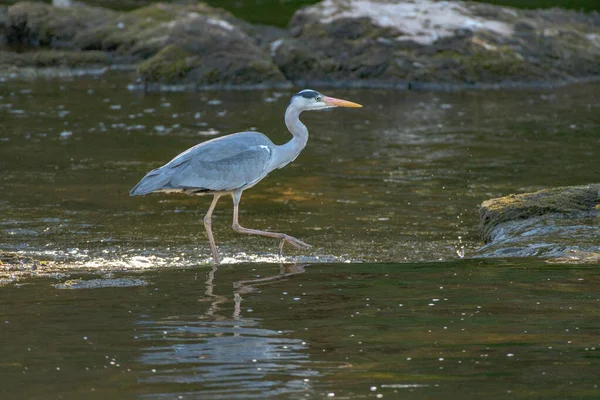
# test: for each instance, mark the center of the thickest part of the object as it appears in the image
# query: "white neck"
(288, 152)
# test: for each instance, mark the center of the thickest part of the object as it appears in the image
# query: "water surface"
(452, 330)
(399, 180)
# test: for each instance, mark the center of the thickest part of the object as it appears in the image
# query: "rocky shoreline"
(419, 45)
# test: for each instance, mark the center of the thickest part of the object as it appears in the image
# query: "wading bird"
(236, 162)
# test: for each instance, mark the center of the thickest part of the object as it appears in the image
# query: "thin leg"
(208, 226)
(299, 244)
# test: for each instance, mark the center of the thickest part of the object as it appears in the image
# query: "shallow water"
(399, 180)
(453, 330)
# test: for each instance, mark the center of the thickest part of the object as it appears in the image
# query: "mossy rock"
(140, 32)
(46, 58)
(3, 25)
(171, 43)
(206, 50)
(33, 25)
(72, 284)
(296, 60)
(146, 31)
(168, 66)
(482, 44)
(562, 200)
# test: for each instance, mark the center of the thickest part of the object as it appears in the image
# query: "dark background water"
(454, 330)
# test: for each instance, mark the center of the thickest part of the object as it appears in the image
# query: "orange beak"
(332, 101)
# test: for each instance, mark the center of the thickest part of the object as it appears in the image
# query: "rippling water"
(228, 359)
(453, 330)
(399, 180)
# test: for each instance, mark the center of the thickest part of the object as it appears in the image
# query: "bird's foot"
(297, 243)
(215, 255)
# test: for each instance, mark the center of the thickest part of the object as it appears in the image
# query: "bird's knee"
(207, 221)
(236, 226)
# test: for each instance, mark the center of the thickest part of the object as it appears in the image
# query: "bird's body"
(233, 163)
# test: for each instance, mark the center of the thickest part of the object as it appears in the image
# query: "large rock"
(387, 43)
(559, 222)
(3, 25)
(171, 43)
(396, 43)
(39, 35)
(208, 49)
(29, 25)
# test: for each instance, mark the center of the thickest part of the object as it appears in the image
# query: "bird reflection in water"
(244, 286)
(224, 354)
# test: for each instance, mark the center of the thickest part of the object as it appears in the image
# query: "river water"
(382, 304)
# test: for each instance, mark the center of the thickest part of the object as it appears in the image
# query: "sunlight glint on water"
(398, 180)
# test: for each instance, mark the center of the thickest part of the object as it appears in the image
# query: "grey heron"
(236, 162)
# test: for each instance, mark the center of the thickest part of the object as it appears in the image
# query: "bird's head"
(308, 100)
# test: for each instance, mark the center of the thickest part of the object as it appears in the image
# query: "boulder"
(206, 49)
(558, 222)
(3, 25)
(403, 43)
(39, 35)
(29, 26)
(194, 45)
(377, 43)
(14, 62)
(191, 44)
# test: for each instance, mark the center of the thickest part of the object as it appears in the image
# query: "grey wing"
(222, 164)
(229, 173)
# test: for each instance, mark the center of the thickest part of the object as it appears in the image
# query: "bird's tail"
(153, 181)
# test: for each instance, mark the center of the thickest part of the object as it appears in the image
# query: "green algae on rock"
(562, 223)
(50, 58)
(171, 43)
(101, 283)
(205, 50)
(562, 200)
(381, 42)
(370, 43)
(31, 25)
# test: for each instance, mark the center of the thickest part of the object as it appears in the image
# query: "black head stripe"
(307, 93)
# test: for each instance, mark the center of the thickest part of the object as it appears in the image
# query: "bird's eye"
(318, 98)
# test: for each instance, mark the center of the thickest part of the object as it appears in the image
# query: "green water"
(456, 330)
(399, 180)
(381, 305)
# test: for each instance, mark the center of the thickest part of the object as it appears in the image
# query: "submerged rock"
(560, 222)
(15, 265)
(10, 260)
(403, 43)
(100, 283)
